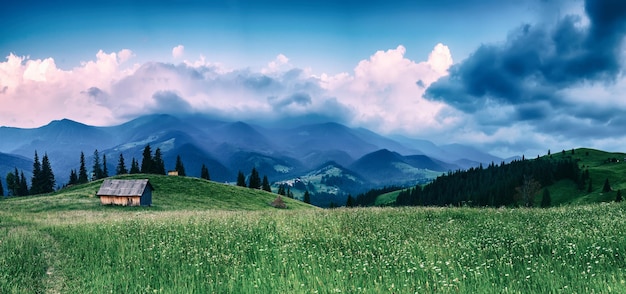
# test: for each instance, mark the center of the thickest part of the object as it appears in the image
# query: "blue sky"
(512, 77)
(332, 34)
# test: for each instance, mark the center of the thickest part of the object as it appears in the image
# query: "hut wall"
(121, 200)
(146, 197)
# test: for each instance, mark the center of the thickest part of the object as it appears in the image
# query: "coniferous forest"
(514, 183)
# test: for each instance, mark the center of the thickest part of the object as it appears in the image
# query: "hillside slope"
(171, 193)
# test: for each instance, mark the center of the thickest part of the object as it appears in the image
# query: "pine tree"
(266, 185)
(73, 178)
(589, 187)
(1, 189)
(281, 190)
(255, 181)
(96, 172)
(607, 186)
(546, 201)
(36, 180)
(121, 166)
(105, 170)
(289, 193)
(618, 198)
(134, 167)
(180, 168)
(147, 164)
(47, 176)
(307, 197)
(23, 188)
(204, 173)
(350, 201)
(158, 164)
(241, 179)
(82, 171)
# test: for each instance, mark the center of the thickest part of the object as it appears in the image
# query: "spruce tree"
(82, 171)
(73, 178)
(47, 176)
(281, 190)
(618, 198)
(105, 170)
(180, 168)
(241, 179)
(607, 186)
(121, 166)
(307, 197)
(36, 180)
(204, 173)
(23, 188)
(350, 201)
(147, 162)
(546, 201)
(158, 164)
(589, 187)
(266, 185)
(134, 167)
(1, 189)
(97, 167)
(255, 181)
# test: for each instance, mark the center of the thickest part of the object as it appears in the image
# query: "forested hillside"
(584, 174)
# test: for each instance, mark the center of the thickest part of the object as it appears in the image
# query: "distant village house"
(126, 192)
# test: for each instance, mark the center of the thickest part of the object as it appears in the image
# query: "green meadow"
(204, 237)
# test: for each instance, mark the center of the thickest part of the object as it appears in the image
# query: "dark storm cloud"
(536, 61)
(523, 80)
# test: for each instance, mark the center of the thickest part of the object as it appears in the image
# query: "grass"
(201, 248)
(387, 199)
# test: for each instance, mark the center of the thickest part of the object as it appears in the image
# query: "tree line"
(514, 183)
(43, 179)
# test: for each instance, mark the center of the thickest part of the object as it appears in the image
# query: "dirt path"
(54, 280)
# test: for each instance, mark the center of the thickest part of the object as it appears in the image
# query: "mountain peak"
(64, 123)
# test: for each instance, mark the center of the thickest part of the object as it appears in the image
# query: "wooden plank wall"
(116, 200)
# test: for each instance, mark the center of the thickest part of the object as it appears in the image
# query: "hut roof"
(123, 187)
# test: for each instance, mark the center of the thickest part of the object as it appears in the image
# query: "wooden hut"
(126, 192)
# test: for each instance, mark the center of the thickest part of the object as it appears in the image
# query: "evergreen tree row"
(254, 181)
(16, 184)
(515, 183)
(42, 180)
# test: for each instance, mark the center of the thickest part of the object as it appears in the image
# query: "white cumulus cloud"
(178, 51)
(384, 92)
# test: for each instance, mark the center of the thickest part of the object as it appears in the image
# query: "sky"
(511, 77)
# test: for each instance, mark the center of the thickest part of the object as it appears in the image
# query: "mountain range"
(285, 155)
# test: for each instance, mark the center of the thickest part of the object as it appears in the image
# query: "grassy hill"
(602, 165)
(171, 193)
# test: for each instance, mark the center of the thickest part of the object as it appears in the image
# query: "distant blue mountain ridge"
(225, 147)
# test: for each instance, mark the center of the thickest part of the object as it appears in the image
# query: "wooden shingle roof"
(123, 187)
